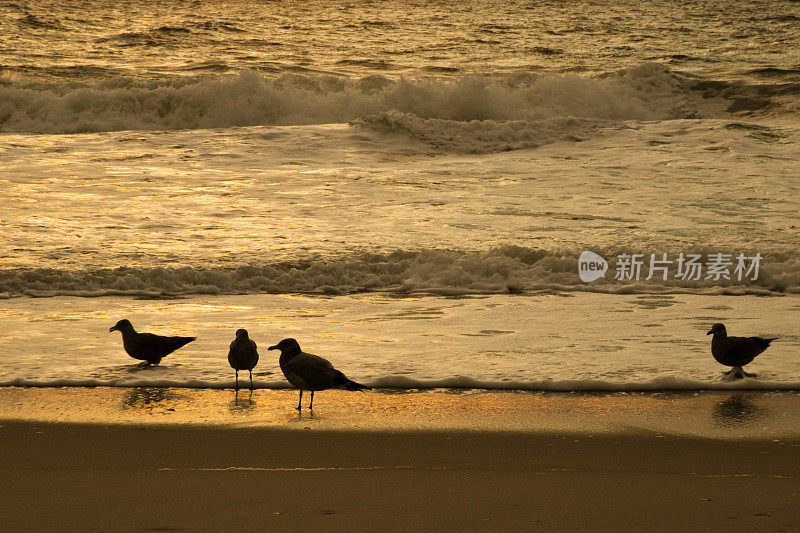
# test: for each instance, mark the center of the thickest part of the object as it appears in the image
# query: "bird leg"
(237, 380)
(251, 380)
(300, 407)
(735, 373)
(311, 403)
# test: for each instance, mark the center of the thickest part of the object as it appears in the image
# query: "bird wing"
(745, 349)
(310, 372)
(158, 345)
(233, 353)
(252, 352)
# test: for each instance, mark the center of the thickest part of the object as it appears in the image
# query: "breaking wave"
(529, 105)
(506, 269)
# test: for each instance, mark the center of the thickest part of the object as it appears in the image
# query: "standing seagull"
(735, 351)
(146, 346)
(243, 355)
(310, 372)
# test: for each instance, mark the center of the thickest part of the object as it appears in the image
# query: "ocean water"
(447, 162)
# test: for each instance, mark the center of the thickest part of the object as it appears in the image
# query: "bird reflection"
(736, 410)
(301, 416)
(147, 398)
(242, 405)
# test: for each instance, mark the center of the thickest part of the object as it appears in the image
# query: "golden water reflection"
(716, 414)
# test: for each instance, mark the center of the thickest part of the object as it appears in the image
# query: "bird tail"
(182, 341)
(352, 385)
(343, 382)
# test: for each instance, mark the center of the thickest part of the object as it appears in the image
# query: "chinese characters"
(715, 267)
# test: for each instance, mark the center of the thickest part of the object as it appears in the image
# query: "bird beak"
(273, 347)
(710, 332)
(112, 328)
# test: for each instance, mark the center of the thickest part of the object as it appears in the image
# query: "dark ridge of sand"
(88, 477)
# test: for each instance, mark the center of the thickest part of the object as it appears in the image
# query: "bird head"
(122, 325)
(717, 328)
(241, 334)
(288, 346)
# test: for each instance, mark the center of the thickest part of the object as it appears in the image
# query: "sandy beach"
(524, 225)
(398, 462)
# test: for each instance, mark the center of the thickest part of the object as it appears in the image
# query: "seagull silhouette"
(243, 355)
(147, 346)
(310, 372)
(735, 351)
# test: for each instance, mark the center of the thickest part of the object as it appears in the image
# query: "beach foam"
(505, 269)
(648, 92)
(405, 383)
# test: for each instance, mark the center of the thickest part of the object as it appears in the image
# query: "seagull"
(147, 346)
(243, 355)
(735, 351)
(310, 372)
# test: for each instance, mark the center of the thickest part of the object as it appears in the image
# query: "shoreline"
(717, 415)
(632, 341)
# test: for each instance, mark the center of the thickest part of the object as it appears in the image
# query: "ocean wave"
(776, 71)
(167, 35)
(483, 136)
(43, 22)
(501, 270)
(397, 382)
(649, 92)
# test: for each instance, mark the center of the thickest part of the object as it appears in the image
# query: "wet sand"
(161, 470)
(735, 414)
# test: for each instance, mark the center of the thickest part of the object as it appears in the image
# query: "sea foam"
(525, 100)
(399, 382)
(504, 269)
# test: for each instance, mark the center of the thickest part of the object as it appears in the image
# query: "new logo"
(591, 266)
